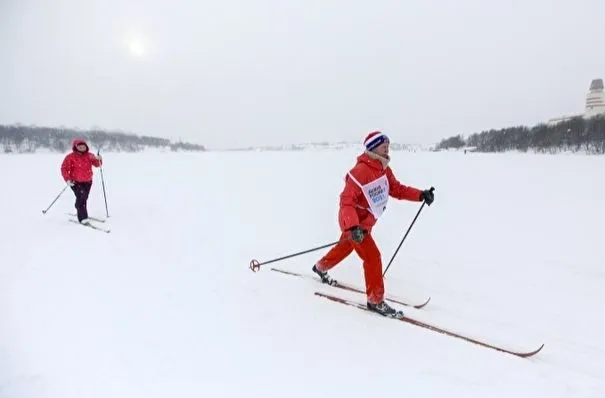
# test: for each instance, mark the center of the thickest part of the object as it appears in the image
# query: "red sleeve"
(66, 167)
(348, 200)
(400, 191)
(95, 162)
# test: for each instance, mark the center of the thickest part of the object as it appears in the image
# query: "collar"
(375, 156)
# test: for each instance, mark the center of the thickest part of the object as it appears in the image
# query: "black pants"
(81, 189)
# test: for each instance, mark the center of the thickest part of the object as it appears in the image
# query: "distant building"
(595, 103)
(595, 99)
(560, 119)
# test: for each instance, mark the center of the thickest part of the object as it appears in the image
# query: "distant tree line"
(574, 135)
(28, 139)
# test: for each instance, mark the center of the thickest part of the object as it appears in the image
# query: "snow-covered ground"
(165, 305)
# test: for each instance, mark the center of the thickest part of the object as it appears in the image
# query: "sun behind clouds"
(136, 47)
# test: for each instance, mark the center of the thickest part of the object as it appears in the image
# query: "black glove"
(428, 196)
(357, 234)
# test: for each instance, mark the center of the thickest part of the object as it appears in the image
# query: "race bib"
(376, 193)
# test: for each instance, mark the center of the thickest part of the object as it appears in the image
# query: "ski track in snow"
(166, 306)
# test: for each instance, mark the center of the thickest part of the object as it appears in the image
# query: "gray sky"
(239, 72)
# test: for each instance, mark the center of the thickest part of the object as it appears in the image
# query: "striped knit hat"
(374, 139)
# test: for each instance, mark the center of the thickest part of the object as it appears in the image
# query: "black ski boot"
(325, 278)
(385, 310)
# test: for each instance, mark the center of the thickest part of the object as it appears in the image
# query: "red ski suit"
(77, 166)
(354, 211)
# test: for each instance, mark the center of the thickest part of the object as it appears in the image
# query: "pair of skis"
(90, 224)
(405, 318)
(353, 288)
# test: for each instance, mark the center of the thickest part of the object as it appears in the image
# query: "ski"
(350, 288)
(432, 327)
(91, 226)
(91, 218)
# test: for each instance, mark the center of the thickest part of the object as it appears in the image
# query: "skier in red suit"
(368, 186)
(76, 170)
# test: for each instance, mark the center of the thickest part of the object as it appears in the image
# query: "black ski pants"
(81, 190)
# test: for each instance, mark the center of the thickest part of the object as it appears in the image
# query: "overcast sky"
(228, 73)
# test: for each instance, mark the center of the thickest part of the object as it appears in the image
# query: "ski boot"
(325, 278)
(385, 310)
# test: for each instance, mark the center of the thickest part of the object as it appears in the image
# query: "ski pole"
(58, 196)
(406, 234)
(255, 265)
(103, 183)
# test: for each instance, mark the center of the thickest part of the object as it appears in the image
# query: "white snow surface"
(165, 305)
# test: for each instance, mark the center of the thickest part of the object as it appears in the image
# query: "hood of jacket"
(77, 142)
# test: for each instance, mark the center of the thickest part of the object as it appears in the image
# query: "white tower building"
(595, 99)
